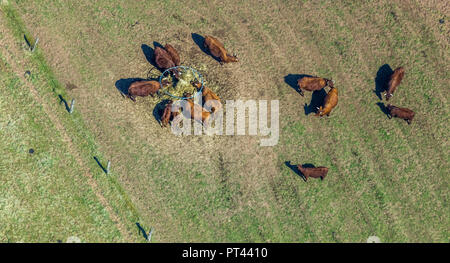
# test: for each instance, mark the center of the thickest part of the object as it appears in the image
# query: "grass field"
(386, 178)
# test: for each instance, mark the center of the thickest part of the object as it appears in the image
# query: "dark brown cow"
(314, 172)
(173, 54)
(164, 61)
(143, 88)
(313, 83)
(210, 99)
(394, 82)
(217, 49)
(331, 100)
(402, 113)
(196, 111)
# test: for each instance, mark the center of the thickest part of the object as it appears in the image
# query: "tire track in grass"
(16, 65)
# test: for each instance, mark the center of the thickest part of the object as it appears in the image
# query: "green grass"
(43, 196)
(386, 178)
(43, 79)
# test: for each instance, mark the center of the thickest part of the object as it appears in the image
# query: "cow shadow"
(383, 108)
(295, 169)
(62, 100)
(200, 40)
(292, 80)
(142, 230)
(149, 53)
(122, 85)
(100, 164)
(317, 99)
(382, 79)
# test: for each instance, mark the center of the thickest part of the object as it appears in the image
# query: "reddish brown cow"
(170, 112)
(173, 54)
(314, 172)
(331, 100)
(196, 111)
(165, 118)
(164, 60)
(217, 49)
(394, 82)
(402, 113)
(143, 88)
(210, 99)
(313, 83)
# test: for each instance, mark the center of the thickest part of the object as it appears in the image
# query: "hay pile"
(182, 85)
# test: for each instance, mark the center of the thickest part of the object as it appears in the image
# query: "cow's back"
(396, 79)
(331, 100)
(403, 113)
(314, 172)
(214, 46)
(144, 88)
(312, 83)
(173, 54)
(162, 59)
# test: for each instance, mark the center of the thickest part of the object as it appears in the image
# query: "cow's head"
(319, 110)
(388, 95)
(196, 83)
(330, 83)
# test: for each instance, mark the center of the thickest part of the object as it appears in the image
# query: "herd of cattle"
(168, 58)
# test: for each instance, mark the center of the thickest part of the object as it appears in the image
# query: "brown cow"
(217, 49)
(313, 83)
(394, 81)
(210, 99)
(170, 112)
(402, 113)
(164, 61)
(331, 100)
(196, 111)
(143, 88)
(314, 172)
(173, 54)
(165, 118)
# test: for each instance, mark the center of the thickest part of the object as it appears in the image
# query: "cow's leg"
(132, 98)
(301, 92)
(408, 121)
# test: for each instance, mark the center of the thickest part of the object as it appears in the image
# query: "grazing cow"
(402, 113)
(210, 99)
(217, 49)
(331, 100)
(196, 111)
(143, 88)
(394, 81)
(173, 54)
(313, 83)
(314, 172)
